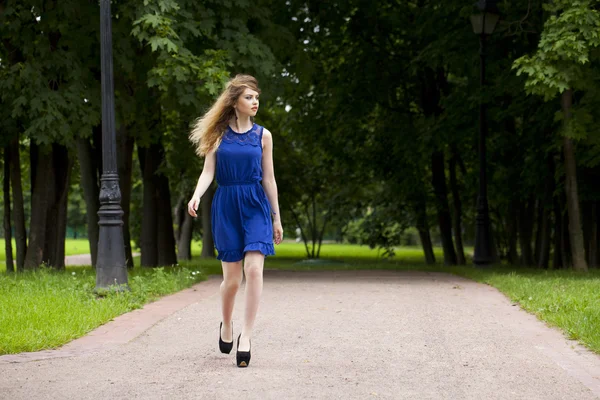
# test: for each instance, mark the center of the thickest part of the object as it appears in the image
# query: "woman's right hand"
(193, 206)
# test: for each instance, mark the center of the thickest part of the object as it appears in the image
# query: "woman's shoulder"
(264, 131)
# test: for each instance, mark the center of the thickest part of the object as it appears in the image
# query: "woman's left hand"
(277, 232)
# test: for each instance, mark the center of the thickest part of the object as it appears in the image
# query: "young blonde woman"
(245, 214)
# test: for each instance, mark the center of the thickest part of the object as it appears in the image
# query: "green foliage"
(47, 76)
(357, 94)
(170, 30)
(565, 49)
(376, 231)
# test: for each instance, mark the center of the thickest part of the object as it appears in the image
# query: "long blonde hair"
(208, 129)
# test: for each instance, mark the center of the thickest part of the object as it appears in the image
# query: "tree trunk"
(166, 237)
(56, 224)
(312, 224)
(33, 163)
(593, 241)
(567, 256)
(443, 210)
(91, 192)
(10, 267)
(545, 239)
(423, 228)
(41, 165)
(544, 229)
(539, 214)
(575, 231)
(179, 215)
(18, 204)
(493, 244)
(184, 245)
(590, 232)
(425, 238)
(322, 231)
(526, 231)
(157, 238)
(125, 145)
(544, 224)
(597, 243)
(149, 235)
(302, 231)
(563, 244)
(557, 260)
(586, 227)
(513, 223)
(457, 214)
(51, 196)
(208, 244)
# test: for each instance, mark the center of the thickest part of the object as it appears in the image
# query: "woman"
(240, 152)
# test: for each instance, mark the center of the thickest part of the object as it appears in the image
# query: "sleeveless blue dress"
(241, 213)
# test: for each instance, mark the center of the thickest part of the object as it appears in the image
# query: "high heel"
(242, 357)
(225, 347)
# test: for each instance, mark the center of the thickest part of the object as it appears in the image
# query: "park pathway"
(320, 335)
(83, 259)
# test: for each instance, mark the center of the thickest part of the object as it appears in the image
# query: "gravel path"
(83, 259)
(320, 335)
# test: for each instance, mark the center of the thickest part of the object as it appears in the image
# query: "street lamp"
(483, 25)
(110, 265)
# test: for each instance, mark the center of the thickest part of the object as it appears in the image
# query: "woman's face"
(247, 103)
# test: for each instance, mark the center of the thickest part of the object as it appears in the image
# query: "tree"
(561, 65)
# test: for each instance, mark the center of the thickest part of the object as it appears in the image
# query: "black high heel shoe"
(242, 357)
(225, 347)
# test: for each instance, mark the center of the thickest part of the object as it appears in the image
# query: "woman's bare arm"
(206, 178)
(270, 185)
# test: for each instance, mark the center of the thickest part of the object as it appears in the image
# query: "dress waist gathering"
(238, 183)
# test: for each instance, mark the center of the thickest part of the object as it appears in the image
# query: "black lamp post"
(483, 25)
(110, 265)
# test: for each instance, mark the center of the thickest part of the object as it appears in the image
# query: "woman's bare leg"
(253, 268)
(232, 279)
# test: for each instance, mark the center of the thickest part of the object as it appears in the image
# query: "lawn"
(72, 247)
(45, 309)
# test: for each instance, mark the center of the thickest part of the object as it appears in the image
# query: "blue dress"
(241, 213)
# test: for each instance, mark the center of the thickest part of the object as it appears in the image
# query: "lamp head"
(485, 22)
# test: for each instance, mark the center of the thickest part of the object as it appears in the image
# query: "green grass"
(46, 309)
(72, 247)
(296, 251)
(564, 299)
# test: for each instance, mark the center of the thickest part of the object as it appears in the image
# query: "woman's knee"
(232, 282)
(253, 269)
(232, 275)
